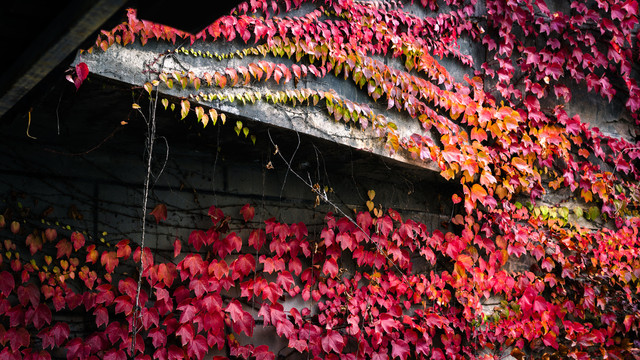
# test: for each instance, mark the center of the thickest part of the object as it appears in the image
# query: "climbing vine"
(494, 133)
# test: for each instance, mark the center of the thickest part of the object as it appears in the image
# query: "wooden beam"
(52, 57)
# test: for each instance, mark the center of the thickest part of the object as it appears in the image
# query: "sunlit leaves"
(359, 276)
(184, 109)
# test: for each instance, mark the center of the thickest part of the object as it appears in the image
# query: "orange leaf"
(478, 193)
(478, 134)
(521, 165)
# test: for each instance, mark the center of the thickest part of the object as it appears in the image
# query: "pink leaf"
(332, 341)
(330, 267)
(399, 348)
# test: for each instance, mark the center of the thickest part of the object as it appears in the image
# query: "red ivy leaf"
(160, 212)
(194, 263)
(92, 254)
(167, 273)
(123, 249)
(216, 215)
(76, 349)
(188, 312)
(198, 347)
(82, 71)
(60, 333)
(158, 337)
(102, 316)
(399, 348)
(77, 239)
(388, 323)
(257, 238)
(232, 242)
(39, 316)
(7, 283)
(330, 267)
(385, 225)
(50, 234)
(123, 305)
(34, 243)
(262, 353)
(243, 266)
(64, 248)
(219, 269)
(176, 353)
(197, 239)
(186, 333)
(332, 341)
(248, 212)
(177, 247)
(437, 354)
(114, 354)
(28, 293)
(128, 286)
(235, 310)
(109, 260)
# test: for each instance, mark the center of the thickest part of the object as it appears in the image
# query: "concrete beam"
(126, 64)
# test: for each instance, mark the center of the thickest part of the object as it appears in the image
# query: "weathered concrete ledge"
(127, 64)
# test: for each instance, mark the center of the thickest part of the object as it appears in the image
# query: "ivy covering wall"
(500, 133)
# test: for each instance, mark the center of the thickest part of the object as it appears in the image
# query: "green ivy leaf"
(578, 211)
(594, 213)
(564, 212)
(199, 113)
(544, 210)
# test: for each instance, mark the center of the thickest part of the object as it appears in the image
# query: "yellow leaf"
(371, 194)
(135, 106)
(199, 112)
(205, 120)
(184, 109)
(214, 115)
(165, 103)
(370, 205)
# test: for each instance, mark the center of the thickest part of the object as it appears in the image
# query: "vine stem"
(324, 197)
(151, 135)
